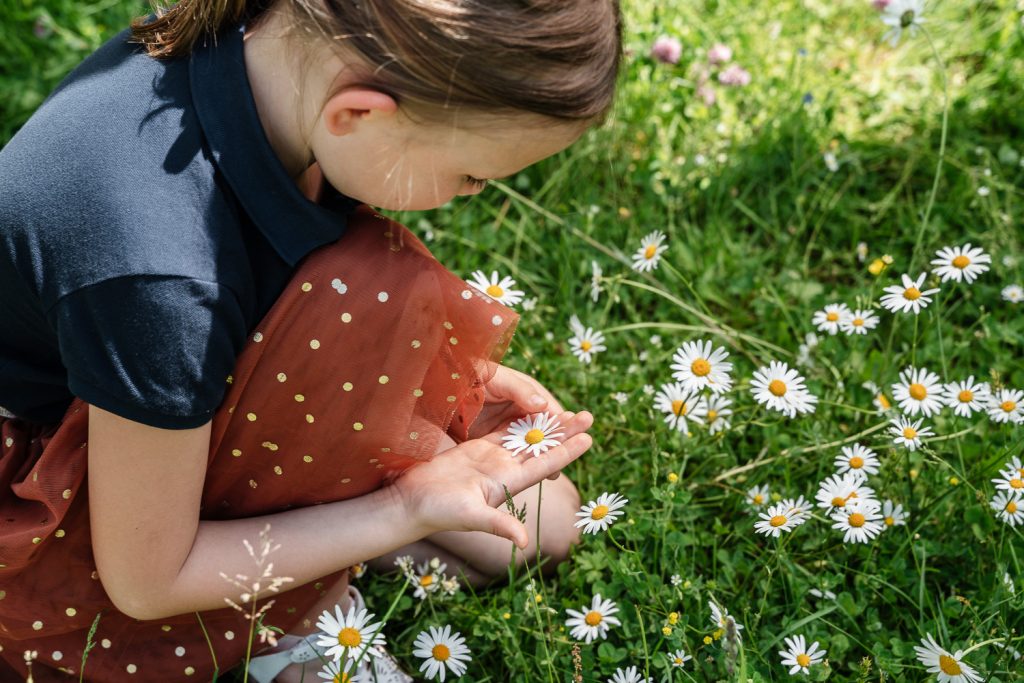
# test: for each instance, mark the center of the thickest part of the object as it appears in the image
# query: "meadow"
(793, 155)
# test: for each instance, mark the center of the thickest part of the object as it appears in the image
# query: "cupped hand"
(461, 489)
(508, 395)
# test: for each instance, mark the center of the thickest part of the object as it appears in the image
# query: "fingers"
(570, 424)
(526, 392)
(500, 523)
(535, 468)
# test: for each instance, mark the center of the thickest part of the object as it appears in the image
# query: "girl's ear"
(347, 107)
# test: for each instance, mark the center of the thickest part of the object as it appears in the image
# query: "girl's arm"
(156, 558)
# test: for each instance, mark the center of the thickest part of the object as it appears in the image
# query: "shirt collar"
(227, 114)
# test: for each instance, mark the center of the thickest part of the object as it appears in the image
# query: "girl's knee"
(558, 530)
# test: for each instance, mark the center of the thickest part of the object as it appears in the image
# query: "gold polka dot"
(252, 483)
(383, 379)
(131, 668)
(346, 317)
(414, 435)
(251, 417)
(105, 643)
(347, 386)
(60, 533)
(456, 375)
(385, 449)
(3, 594)
(307, 458)
(358, 426)
(278, 470)
(314, 344)
(451, 399)
(235, 452)
(453, 341)
(281, 377)
(309, 418)
(66, 494)
(165, 628)
(258, 337)
(229, 635)
(306, 286)
(373, 460)
(300, 398)
(231, 379)
(189, 671)
(415, 343)
(270, 445)
(417, 392)
(37, 540)
(37, 626)
(71, 611)
(345, 480)
(380, 466)
(447, 325)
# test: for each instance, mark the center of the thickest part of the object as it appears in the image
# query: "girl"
(200, 313)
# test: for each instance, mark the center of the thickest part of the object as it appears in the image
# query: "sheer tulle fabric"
(372, 353)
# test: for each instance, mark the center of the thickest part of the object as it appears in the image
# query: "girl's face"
(391, 162)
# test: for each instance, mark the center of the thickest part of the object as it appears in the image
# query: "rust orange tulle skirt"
(373, 352)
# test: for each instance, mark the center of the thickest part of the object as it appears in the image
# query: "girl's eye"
(476, 182)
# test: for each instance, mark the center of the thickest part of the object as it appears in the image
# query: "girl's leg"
(335, 595)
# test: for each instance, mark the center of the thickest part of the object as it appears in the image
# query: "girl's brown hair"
(557, 58)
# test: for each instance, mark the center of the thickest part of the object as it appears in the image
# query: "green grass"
(761, 234)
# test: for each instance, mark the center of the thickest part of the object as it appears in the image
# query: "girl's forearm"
(314, 542)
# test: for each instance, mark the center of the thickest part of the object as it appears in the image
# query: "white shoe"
(379, 667)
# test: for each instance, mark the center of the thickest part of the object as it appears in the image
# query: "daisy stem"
(913, 346)
(983, 643)
(942, 144)
(643, 639)
(209, 644)
(689, 286)
(611, 537)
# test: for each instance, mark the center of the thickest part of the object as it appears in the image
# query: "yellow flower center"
(650, 251)
(909, 433)
(679, 407)
(884, 402)
(1017, 483)
(912, 294)
(778, 520)
(534, 436)
(858, 322)
(1008, 406)
(342, 677)
(700, 367)
(949, 665)
(966, 396)
(440, 652)
(777, 387)
(426, 580)
(349, 637)
(712, 415)
(495, 291)
(1011, 507)
(599, 512)
(585, 345)
(961, 262)
(758, 499)
(856, 462)
(918, 392)
(803, 660)
(832, 316)
(857, 519)
(593, 618)
(838, 502)
(678, 661)
(889, 521)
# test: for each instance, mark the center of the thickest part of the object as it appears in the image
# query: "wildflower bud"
(876, 266)
(624, 212)
(506, 615)
(953, 481)
(666, 630)
(673, 618)
(707, 640)
(538, 598)
(673, 477)
(913, 473)
(687, 584)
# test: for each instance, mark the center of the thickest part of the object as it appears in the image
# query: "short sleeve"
(155, 350)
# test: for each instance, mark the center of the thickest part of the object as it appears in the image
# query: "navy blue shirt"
(146, 226)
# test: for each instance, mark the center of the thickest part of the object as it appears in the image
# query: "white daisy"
(333, 671)
(716, 411)
(909, 297)
(782, 389)
(859, 322)
(699, 365)
(902, 14)
(797, 509)
(758, 496)
(908, 433)
(594, 622)
(720, 617)
(349, 635)
(595, 281)
(824, 595)
(534, 433)
(678, 658)
(427, 578)
(1006, 405)
(585, 341)
(629, 675)
(893, 514)
(1015, 464)
(858, 520)
(441, 650)
(967, 397)
(948, 667)
(858, 458)
(839, 490)
(499, 289)
(830, 318)
(1010, 479)
(649, 254)
(797, 656)
(960, 263)
(777, 519)
(1013, 293)
(678, 404)
(598, 515)
(919, 391)
(1009, 507)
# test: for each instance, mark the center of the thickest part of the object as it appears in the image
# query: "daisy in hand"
(909, 297)
(534, 433)
(498, 289)
(600, 514)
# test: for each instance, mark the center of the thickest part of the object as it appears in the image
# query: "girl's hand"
(509, 395)
(460, 489)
